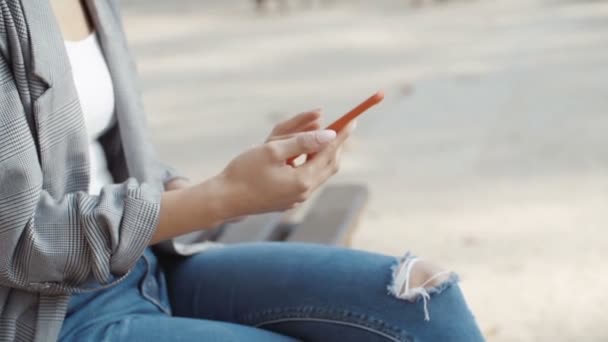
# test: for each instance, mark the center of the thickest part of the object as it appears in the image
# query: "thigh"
(174, 329)
(312, 292)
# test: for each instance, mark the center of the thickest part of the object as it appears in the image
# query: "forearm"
(191, 208)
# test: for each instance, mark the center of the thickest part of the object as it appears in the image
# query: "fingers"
(326, 162)
(332, 167)
(325, 168)
(299, 123)
(300, 143)
(317, 177)
(313, 126)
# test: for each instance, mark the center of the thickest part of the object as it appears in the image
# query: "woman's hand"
(261, 181)
(257, 181)
(304, 122)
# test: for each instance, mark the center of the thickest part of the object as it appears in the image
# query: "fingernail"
(325, 136)
(354, 125)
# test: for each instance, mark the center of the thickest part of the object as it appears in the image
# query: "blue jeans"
(268, 292)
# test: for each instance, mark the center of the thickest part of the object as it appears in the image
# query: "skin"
(256, 181)
(72, 18)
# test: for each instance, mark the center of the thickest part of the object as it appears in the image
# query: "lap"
(311, 292)
(230, 282)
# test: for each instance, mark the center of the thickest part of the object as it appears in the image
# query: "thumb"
(303, 143)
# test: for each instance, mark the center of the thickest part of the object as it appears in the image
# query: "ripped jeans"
(273, 292)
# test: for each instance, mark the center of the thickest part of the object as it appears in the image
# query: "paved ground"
(489, 155)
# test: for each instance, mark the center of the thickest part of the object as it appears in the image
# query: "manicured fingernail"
(326, 136)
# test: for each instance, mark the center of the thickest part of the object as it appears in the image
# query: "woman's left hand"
(303, 122)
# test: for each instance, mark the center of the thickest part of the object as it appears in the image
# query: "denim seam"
(142, 288)
(316, 314)
(322, 320)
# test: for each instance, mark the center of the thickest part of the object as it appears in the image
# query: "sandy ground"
(489, 155)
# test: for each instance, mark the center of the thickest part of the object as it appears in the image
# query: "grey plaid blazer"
(54, 237)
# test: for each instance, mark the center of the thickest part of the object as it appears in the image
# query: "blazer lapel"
(49, 77)
(49, 58)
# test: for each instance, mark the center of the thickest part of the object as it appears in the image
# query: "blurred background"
(489, 155)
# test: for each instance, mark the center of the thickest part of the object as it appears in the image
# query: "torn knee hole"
(414, 273)
(414, 278)
(428, 275)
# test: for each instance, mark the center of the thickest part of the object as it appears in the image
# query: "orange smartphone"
(343, 121)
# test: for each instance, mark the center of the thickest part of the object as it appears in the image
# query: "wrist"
(201, 206)
(213, 201)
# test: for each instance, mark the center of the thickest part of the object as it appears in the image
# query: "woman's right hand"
(259, 180)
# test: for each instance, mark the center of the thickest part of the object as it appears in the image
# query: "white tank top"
(96, 94)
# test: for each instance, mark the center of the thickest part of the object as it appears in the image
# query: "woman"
(82, 197)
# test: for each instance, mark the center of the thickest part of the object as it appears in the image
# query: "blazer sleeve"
(53, 243)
